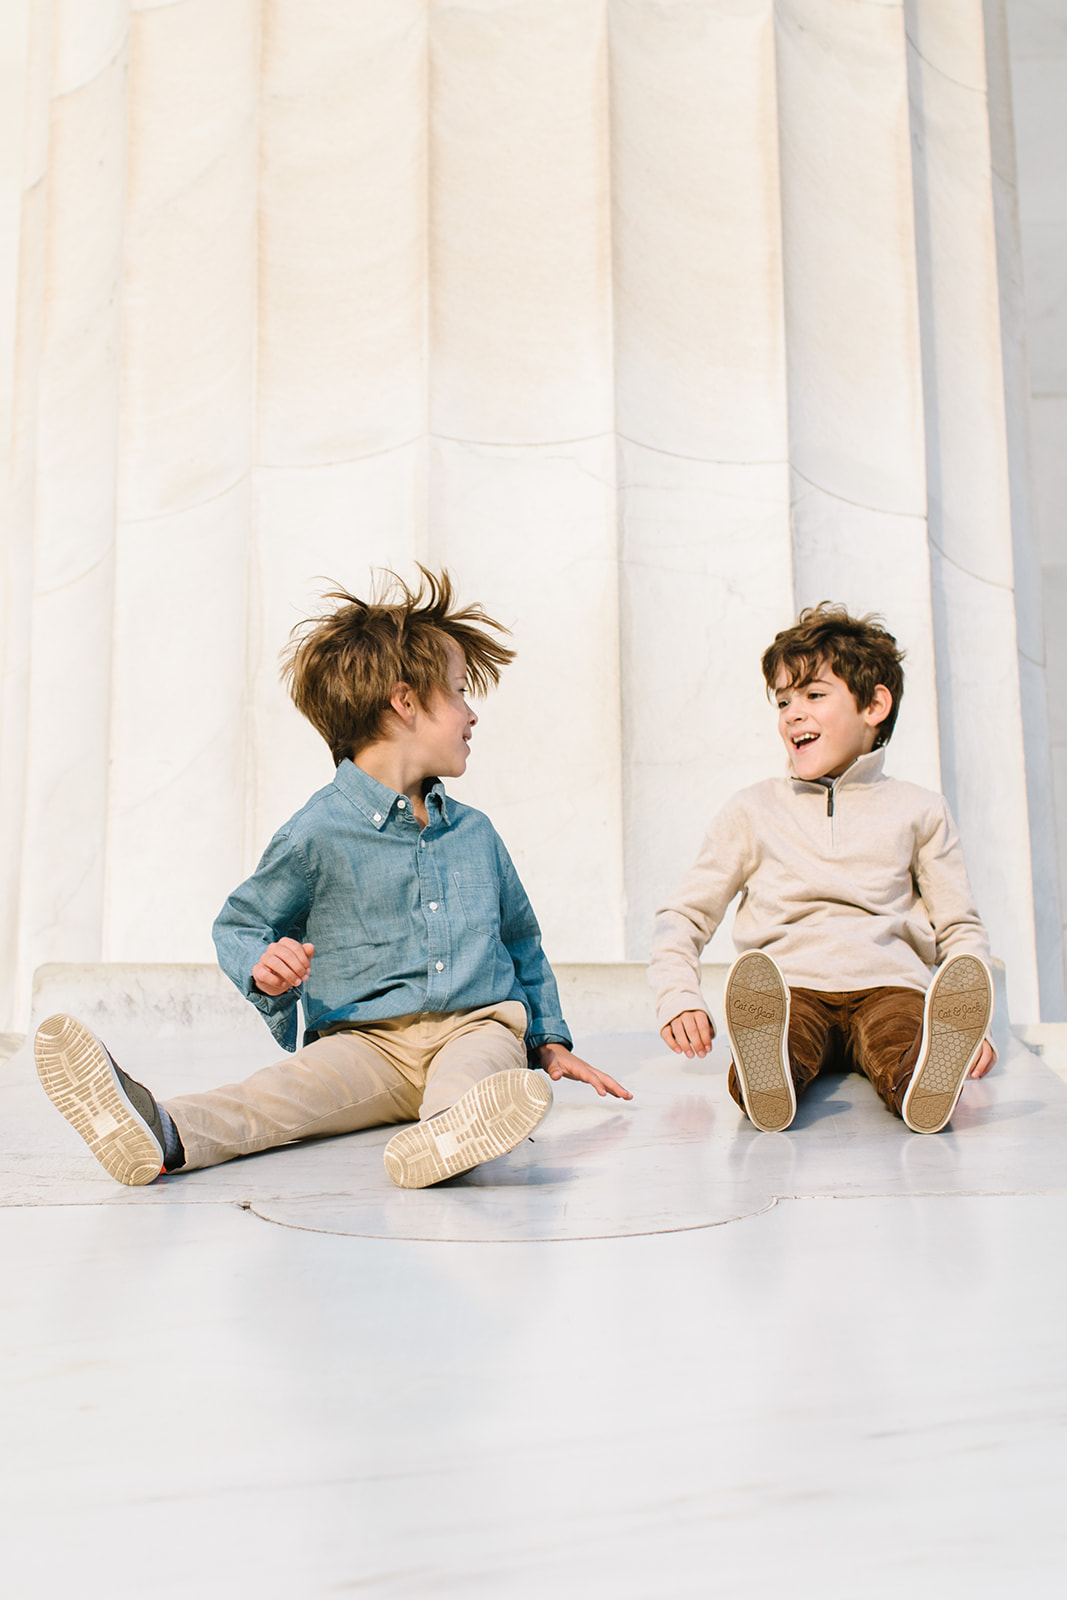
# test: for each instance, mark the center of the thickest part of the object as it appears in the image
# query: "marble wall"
(653, 321)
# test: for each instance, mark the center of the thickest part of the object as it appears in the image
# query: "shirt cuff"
(534, 1041)
(672, 1005)
(279, 1012)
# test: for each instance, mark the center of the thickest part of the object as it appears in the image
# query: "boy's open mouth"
(804, 738)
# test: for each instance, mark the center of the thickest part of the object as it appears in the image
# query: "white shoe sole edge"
(956, 1017)
(78, 1077)
(756, 1005)
(489, 1120)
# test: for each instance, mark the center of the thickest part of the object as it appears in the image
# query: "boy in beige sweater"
(853, 888)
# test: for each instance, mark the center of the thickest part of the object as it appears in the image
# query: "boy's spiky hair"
(861, 652)
(343, 668)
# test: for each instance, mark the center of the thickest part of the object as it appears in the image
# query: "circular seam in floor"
(497, 1237)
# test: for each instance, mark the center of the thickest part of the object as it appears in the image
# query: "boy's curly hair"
(859, 650)
(342, 668)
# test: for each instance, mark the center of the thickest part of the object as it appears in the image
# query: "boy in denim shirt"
(391, 911)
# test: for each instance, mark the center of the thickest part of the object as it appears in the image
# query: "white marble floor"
(653, 1354)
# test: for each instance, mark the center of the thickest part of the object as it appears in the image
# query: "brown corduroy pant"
(874, 1031)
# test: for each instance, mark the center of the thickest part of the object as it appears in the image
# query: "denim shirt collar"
(375, 801)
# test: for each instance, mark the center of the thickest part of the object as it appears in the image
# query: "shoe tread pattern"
(489, 1120)
(958, 1011)
(77, 1076)
(756, 1018)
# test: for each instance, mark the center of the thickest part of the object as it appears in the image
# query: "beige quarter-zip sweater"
(855, 886)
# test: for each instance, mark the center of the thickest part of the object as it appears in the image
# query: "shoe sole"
(79, 1079)
(757, 1020)
(490, 1119)
(958, 1010)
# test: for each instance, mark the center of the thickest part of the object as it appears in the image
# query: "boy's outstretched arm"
(521, 936)
(686, 921)
(559, 1062)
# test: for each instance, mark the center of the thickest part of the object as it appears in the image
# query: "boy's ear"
(880, 707)
(403, 702)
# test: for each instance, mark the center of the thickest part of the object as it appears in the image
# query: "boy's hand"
(558, 1062)
(689, 1034)
(282, 966)
(987, 1059)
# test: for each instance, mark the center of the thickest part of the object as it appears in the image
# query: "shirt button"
(400, 805)
(422, 844)
(433, 905)
(377, 816)
(440, 966)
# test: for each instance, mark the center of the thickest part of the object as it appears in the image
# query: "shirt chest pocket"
(480, 898)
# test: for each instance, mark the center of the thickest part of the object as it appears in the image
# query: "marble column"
(701, 418)
(852, 330)
(1031, 633)
(340, 409)
(25, 78)
(179, 704)
(1038, 94)
(970, 522)
(65, 474)
(521, 475)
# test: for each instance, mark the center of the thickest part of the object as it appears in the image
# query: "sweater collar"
(864, 770)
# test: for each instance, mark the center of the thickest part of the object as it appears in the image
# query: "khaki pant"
(875, 1031)
(381, 1072)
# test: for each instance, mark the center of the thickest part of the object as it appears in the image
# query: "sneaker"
(116, 1116)
(757, 1020)
(959, 1006)
(488, 1121)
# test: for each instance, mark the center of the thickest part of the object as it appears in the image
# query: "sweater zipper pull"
(828, 785)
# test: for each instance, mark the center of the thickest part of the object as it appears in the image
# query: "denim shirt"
(404, 919)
